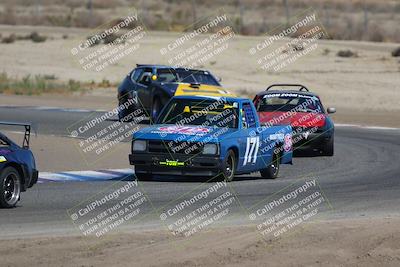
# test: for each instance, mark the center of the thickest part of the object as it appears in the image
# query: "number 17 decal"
(252, 146)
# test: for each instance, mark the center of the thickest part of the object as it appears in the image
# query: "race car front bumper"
(309, 140)
(176, 164)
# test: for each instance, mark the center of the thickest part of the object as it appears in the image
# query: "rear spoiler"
(301, 87)
(25, 143)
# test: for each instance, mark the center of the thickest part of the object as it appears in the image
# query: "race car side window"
(145, 76)
(3, 142)
(135, 75)
(248, 116)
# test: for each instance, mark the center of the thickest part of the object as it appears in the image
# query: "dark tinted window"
(135, 74)
(145, 76)
(3, 142)
(200, 112)
(186, 76)
(249, 116)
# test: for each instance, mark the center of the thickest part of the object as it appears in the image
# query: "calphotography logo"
(283, 212)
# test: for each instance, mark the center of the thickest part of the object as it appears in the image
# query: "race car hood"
(295, 119)
(177, 89)
(183, 133)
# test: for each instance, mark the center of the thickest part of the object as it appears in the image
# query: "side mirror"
(331, 110)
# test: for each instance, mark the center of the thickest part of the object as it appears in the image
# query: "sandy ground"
(363, 242)
(365, 89)
(56, 154)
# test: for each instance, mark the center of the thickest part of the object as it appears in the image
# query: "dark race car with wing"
(312, 126)
(17, 167)
(149, 87)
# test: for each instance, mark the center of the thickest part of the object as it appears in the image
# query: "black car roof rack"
(25, 143)
(302, 87)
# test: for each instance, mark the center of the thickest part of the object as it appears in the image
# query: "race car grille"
(175, 147)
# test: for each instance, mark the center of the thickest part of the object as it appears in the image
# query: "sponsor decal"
(288, 143)
(183, 130)
(289, 95)
(172, 163)
(276, 137)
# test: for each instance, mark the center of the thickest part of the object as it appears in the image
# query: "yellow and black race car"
(148, 88)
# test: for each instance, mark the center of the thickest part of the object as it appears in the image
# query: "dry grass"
(46, 84)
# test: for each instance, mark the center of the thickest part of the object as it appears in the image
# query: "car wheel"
(272, 171)
(229, 167)
(155, 109)
(328, 148)
(10, 187)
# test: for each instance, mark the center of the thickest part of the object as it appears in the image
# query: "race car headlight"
(139, 145)
(210, 149)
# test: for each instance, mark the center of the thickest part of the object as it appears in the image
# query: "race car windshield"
(200, 112)
(3, 143)
(185, 76)
(289, 102)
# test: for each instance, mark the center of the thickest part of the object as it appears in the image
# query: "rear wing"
(300, 86)
(27, 134)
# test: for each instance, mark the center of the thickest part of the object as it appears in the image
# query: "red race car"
(312, 126)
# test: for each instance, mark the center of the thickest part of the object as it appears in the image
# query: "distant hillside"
(372, 20)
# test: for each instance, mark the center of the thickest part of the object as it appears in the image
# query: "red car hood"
(295, 119)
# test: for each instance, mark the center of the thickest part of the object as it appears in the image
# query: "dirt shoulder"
(361, 242)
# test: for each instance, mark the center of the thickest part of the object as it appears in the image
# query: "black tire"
(144, 176)
(10, 187)
(328, 147)
(155, 108)
(229, 167)
(272, 170)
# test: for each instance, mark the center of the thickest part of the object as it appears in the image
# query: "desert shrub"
(346, 53)
(326, 51)
(36, 85)
(74, 85)
(396, 52)
(36, 38)
(10, 39)
(111, 38)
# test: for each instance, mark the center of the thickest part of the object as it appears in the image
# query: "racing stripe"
(203, 89)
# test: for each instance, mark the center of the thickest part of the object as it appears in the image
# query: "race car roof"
(166, 67)
(228, 98)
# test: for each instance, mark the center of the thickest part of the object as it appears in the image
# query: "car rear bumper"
(166, 164)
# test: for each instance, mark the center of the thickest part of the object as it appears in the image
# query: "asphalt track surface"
(361, 180)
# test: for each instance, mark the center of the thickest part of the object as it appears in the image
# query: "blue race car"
(216, 137)
(17, 167)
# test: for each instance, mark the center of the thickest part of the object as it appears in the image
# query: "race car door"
(250, 141)
(142, 88)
